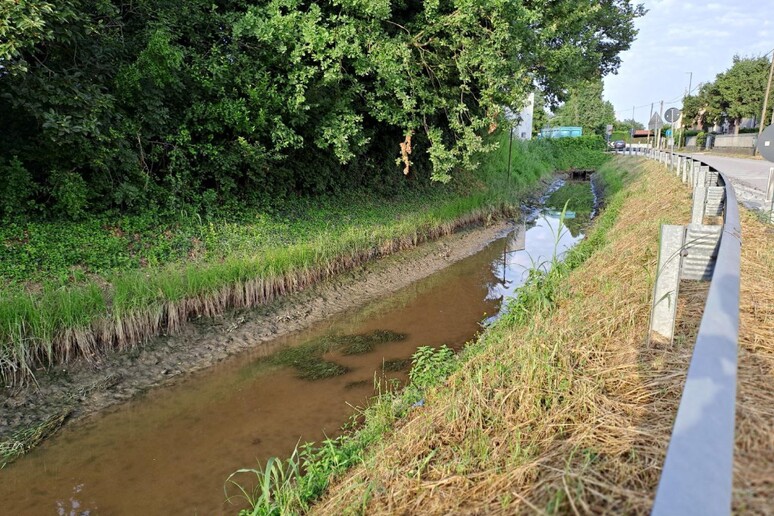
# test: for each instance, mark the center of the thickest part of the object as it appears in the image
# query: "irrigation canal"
(170, 451)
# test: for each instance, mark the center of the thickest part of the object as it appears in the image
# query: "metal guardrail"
(697, 477)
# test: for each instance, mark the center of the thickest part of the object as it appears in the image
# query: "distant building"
(523, 119)
(523, 131)
(642, 133)
(561, 132)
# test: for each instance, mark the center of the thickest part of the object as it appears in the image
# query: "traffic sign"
(672, 115)
(766, 143)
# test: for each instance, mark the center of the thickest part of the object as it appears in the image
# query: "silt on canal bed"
(170, 451)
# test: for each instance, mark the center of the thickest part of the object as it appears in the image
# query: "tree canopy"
(628, 125)
(113, 104)
(735, 94)
(586, 107)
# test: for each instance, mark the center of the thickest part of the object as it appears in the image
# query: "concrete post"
(694, 172)
(699, 204)
(701, 178)
(662, 317)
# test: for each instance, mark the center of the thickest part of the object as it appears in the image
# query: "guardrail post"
(700, 251)
(699, 204)
(662, 317)
(770, 195)
(694, 172)
(701, 177)
(684, 174)
(716, 196)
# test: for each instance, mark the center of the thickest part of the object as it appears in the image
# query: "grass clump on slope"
(561, 406)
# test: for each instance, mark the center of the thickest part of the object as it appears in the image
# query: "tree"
(175, 103)
(539, 115)
(627, 125)
(585, 107)
(693, 109)
(735, 94)
(742, 87)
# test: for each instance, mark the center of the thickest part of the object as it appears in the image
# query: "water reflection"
(533, 245)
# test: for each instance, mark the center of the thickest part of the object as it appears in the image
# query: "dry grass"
(573, 412)
(570, 413)
(754, 454)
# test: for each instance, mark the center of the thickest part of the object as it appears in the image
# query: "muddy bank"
(178, 443)
(81, 389)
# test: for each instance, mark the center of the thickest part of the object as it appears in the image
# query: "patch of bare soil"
(79, 389)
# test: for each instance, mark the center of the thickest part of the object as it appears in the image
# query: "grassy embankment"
(78, 289)
(564, 406)
(291, 486)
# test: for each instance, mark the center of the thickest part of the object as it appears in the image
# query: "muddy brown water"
(170, 451)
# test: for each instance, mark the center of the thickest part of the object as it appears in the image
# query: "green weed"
(291, 486)
(73, 289)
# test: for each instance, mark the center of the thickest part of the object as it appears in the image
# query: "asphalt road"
(753, 173)
(748, 176)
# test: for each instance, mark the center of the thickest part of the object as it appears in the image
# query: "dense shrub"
(110, 104)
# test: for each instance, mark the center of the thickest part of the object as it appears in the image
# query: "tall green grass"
(117, 304)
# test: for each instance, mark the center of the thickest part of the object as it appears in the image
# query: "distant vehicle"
(561, 132)
(619, 145)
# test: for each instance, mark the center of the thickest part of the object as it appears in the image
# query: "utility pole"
(766, 97)
(650, 117)
(660, 118)
(766, 101)
(682, 122)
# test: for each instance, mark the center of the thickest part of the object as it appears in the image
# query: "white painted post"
(694, 172)
(662, 317)
(699, 204)
(701, 177)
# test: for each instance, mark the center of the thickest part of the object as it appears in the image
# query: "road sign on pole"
(672, 115)
(766, 143)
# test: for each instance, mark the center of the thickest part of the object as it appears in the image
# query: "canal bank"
(179, 444)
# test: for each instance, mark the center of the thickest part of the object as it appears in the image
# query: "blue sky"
(686, 36)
